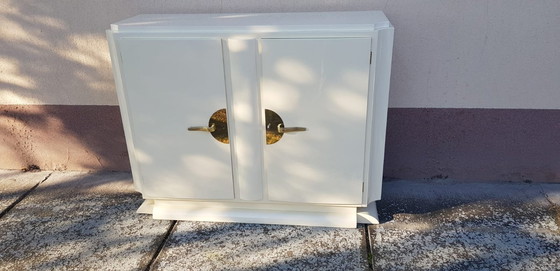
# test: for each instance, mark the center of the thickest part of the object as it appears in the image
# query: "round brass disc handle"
(210, 129)
(282, 129)
(275, 127)
(217, 126)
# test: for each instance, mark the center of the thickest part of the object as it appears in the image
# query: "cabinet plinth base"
(288, 214)
(368, 214)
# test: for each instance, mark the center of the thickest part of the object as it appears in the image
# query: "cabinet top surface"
(255, 22)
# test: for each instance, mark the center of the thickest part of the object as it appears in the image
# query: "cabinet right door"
(321, 85)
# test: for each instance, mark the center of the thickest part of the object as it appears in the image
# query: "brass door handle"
(210, 129)
(282, 129)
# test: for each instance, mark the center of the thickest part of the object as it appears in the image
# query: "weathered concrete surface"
(79, 221)
(467, 226)
(232, 246)
(552, 195)
(15, 183)
(430, 195)
(87, 221)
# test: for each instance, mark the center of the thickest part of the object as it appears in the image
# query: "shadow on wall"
(473, 144)
(46, 60)
(62, 137)
(51, 76)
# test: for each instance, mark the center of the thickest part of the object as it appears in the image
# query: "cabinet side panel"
(171, 85)
(115, 60)
(369, 125)
(381, 100)
(322, 85)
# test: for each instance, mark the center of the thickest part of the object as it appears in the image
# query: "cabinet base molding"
(368, 214)
(288, 214)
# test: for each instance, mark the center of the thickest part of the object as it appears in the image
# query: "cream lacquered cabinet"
(261, 118)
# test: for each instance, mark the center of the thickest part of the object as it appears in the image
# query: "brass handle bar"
(282, 129)
(210, 129)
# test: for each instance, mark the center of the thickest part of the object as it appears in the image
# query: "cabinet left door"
(169, 85)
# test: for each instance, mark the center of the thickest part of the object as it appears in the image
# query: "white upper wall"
(453, 54)
(476, 54)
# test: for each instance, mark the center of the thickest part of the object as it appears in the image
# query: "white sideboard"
(260, 118)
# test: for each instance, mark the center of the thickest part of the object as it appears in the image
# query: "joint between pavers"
(23, 196)
(369, 248)
(547, 197)
(158, 251)
(46, 177)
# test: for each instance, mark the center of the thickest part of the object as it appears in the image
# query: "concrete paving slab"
(515, 229)
(233, 246)
(552, 192)
(421, 196)
(15, 183)
(79, 221)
